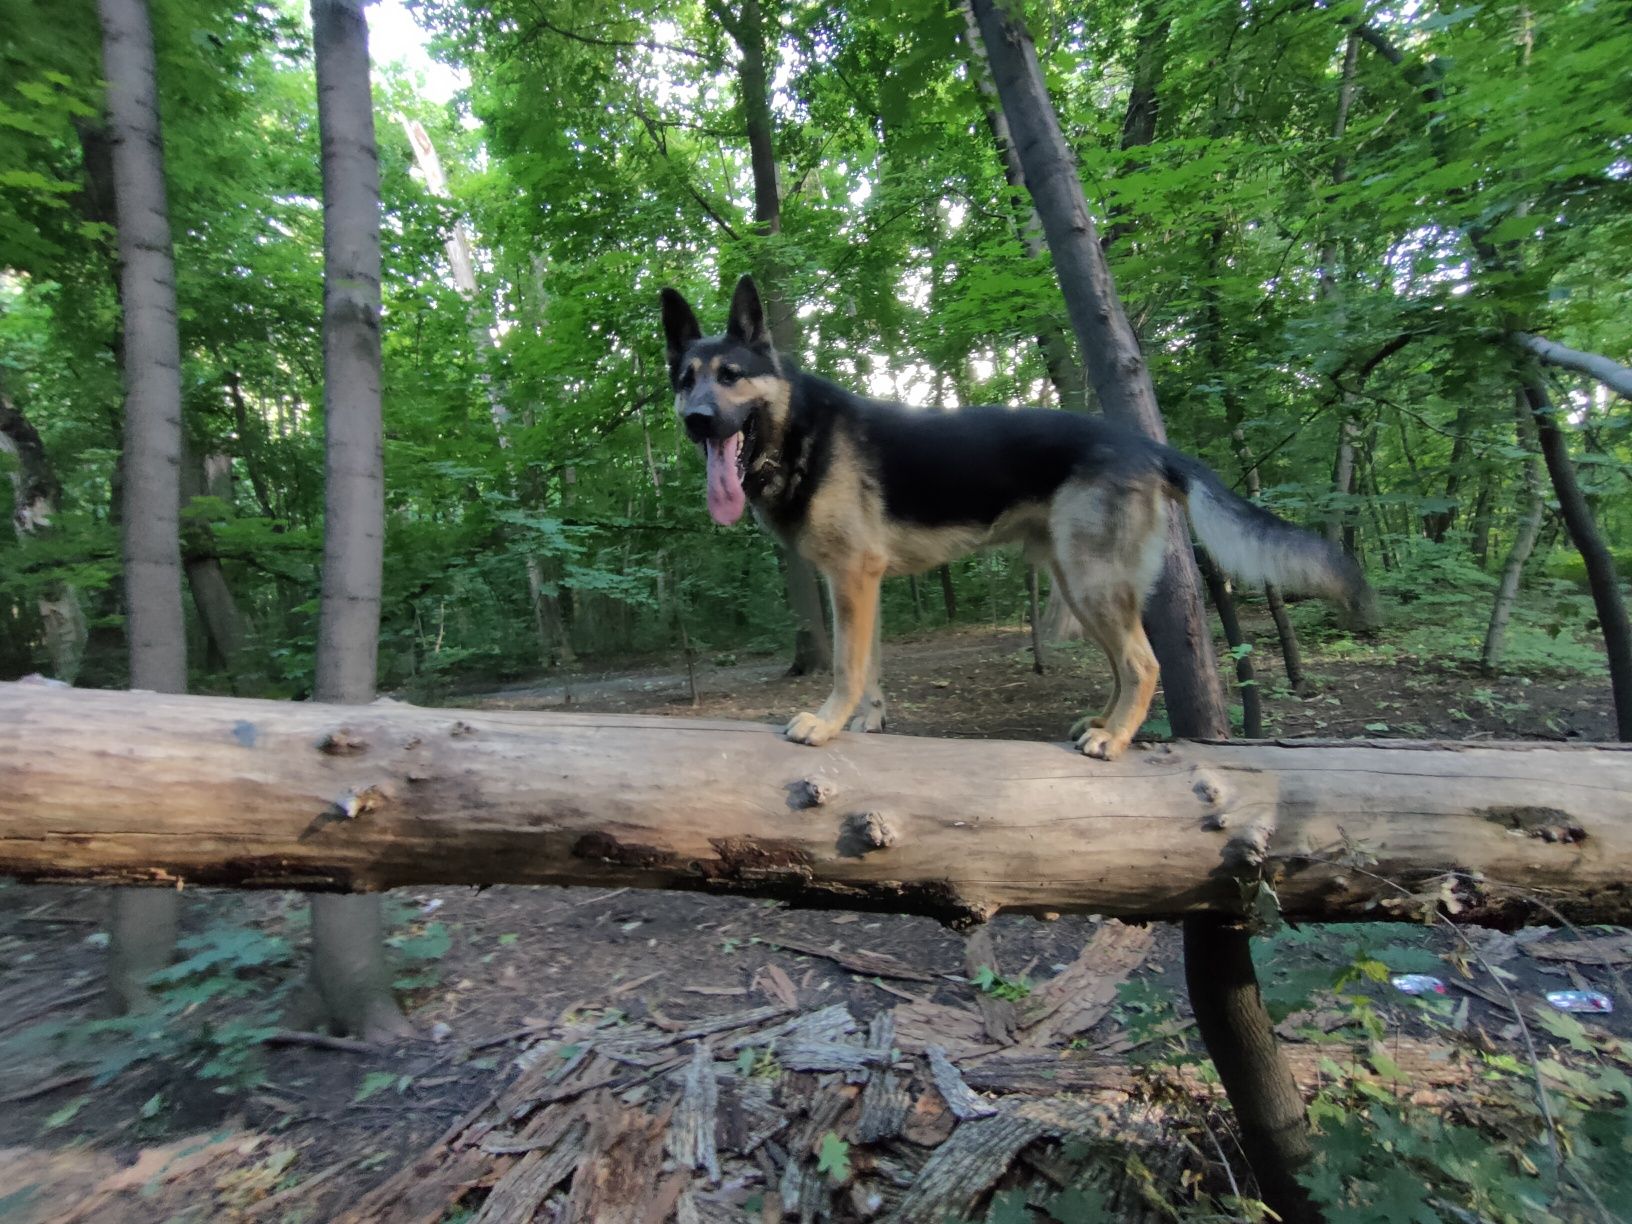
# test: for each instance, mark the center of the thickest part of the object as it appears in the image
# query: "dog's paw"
(869, 718)
(1084, 725)
(809, 729)
(1100, 744)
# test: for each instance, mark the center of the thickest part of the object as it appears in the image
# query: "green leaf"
(375, 1082)
(66, 1114)
(833, 1159)
(1078, 1206)
(1009, 1207)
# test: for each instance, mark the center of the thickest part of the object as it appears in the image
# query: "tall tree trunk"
(348, 950)
(811, 649)
(553, 642)
(1340, 527)
(1235, 1024)
(36, 493)
(1524, 542)
(1584, 534)
(1116, 367)
(1235, 420)
(144, 924)
(1059, 354)
(1033, 618)
(949, 596)
(1139, 123)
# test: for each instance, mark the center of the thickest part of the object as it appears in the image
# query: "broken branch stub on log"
(133, 787)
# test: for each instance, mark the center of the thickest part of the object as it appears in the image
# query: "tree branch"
(1616, 377)
(654, 129)
(542, 22)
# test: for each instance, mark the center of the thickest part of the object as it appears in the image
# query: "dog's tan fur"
(1103, 546)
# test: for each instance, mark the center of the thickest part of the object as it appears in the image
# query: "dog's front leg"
(870, 717)
(855, 612)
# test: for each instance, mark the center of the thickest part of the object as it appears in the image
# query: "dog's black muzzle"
(706, 420)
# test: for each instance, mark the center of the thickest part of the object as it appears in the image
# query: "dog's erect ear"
(747, 315)
(679, 326)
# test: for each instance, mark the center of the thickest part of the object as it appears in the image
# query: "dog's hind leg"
(1090, 632)
(855, 613)
(1107, 551)
(870, 717)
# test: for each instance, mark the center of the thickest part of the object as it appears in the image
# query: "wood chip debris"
(960, 1098)
(645, 1120)
(868, 964)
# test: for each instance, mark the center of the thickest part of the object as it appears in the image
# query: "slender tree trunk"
(812, 651)
(1291, 653)
(1033, 619)
(349, 972)
(249, 442)
(1524, 542)
(1252, 706)
(1060, 357)
(949, 596)
(1235, 421)
(1340, 528)
(1436, 523)
(1116, 367)
(1584, 534)
(1241, 1038)
(144, 924)
(1144, 93)
(1234, 1026)
(1138, 129)
(1340, 525)
(1479, 527)
(210, 476)
(36, 493)
(553, 644)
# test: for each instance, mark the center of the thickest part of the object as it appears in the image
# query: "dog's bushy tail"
(1252, 545)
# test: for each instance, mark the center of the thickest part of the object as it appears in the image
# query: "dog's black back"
(950, 468)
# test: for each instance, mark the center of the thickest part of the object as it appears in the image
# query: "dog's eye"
(728, 375)
(686, 380)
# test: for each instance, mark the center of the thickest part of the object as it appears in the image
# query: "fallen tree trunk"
(127, 788)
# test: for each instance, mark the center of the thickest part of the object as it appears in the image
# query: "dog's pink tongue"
(725, 496)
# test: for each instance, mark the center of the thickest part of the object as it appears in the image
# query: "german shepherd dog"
(865, 489)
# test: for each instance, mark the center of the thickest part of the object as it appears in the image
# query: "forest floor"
(558, 1028)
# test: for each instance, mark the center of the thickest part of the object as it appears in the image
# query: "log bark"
(121, 788)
